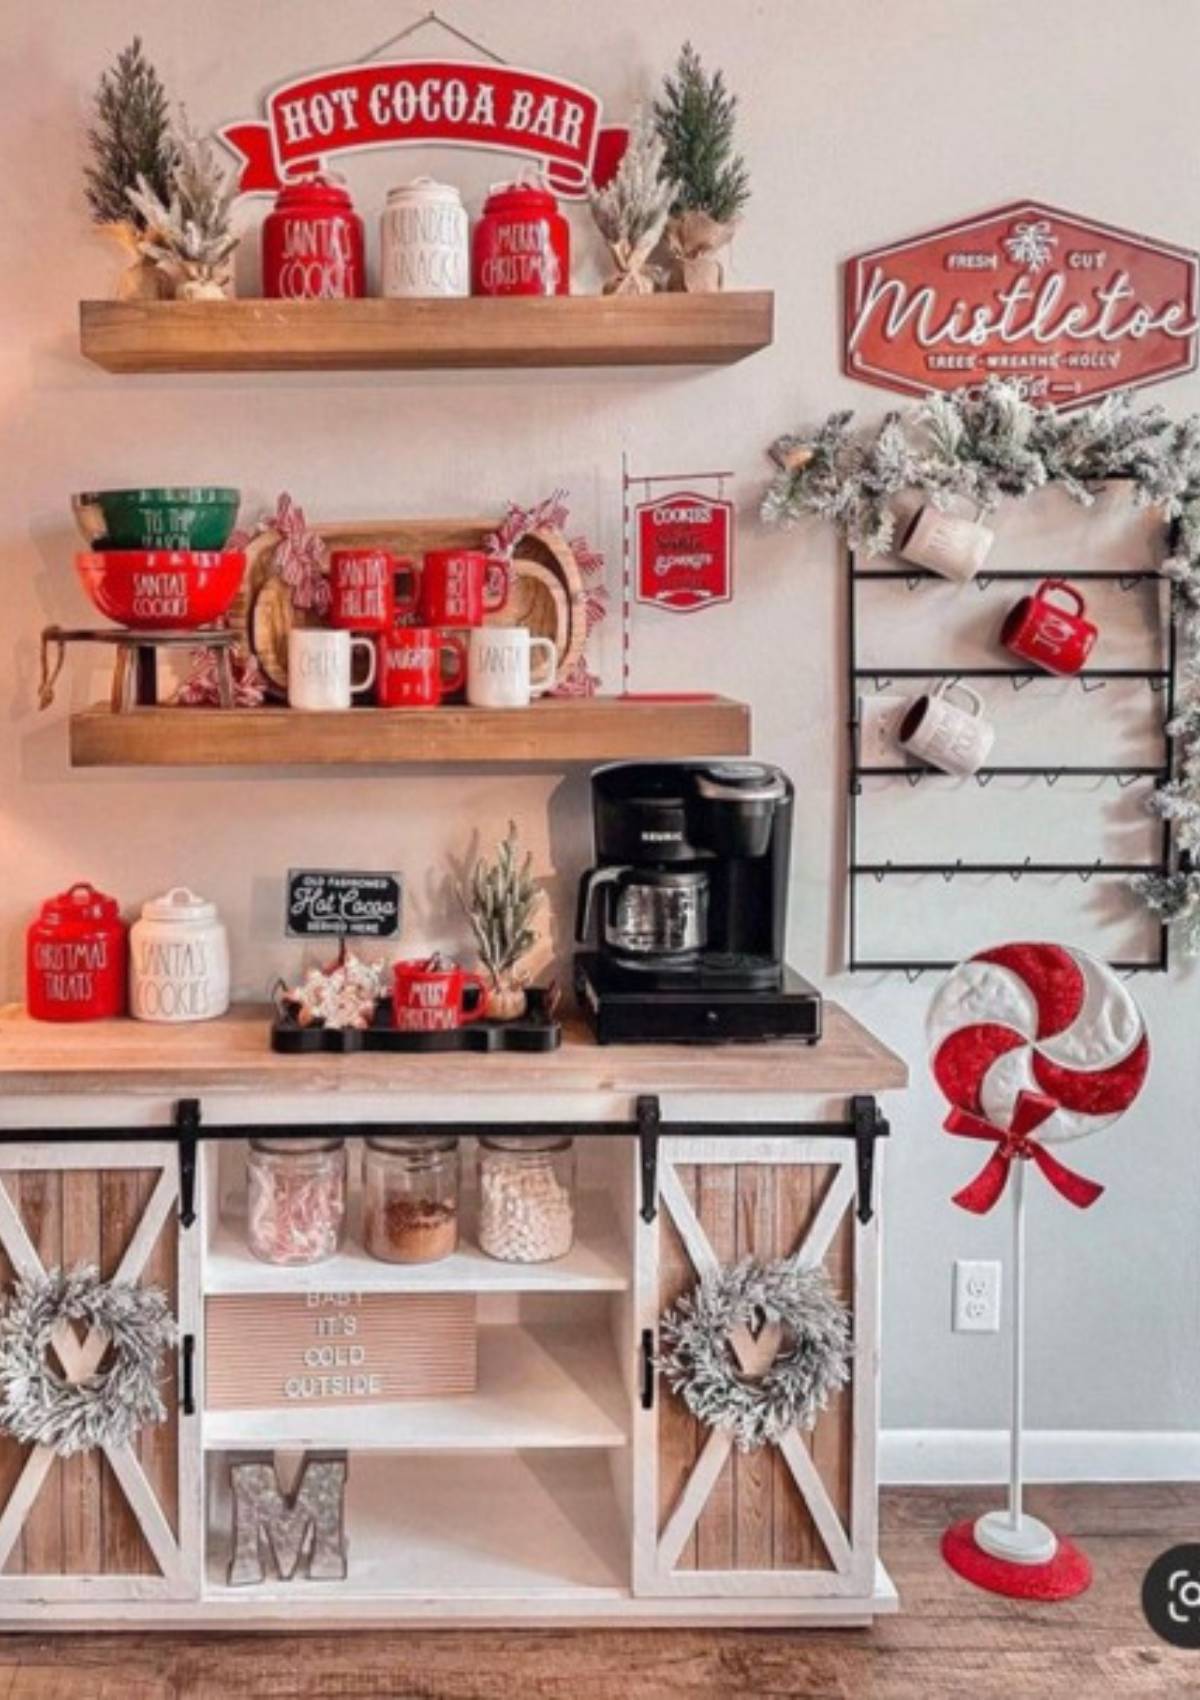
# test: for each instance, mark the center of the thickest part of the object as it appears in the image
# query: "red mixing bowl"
(163, 590)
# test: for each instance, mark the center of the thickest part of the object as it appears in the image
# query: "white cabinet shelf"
(551, 1531)
(597, 1263)
(554, 1386)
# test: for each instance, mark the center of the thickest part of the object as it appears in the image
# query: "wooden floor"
(949, 1643)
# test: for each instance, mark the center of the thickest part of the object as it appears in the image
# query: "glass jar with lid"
(526, 1197)
(296, 1198)
(410, 1197)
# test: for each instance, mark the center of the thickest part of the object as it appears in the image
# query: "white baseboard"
(949, 1457)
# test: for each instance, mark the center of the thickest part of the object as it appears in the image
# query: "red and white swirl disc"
(1040, 1018)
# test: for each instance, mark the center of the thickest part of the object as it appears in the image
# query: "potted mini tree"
(130, 141)
(500, 901)
(695, 119)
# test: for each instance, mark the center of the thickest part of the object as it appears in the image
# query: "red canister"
(521, 244)
(75, 957)
(312, 244)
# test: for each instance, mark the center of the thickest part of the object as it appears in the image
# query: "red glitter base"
(1068, 1573)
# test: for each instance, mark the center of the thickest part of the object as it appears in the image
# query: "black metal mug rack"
(1161, 686)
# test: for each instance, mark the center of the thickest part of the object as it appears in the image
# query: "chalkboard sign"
(334, 903)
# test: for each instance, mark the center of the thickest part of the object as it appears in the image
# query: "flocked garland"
(37, 1405)
(984, 445)
(813, 1362)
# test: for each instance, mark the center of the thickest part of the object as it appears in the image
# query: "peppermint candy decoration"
(1035, 1037)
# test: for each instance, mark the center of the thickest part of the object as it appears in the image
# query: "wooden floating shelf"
(558, 729)
(549, 1387)
(374, 334)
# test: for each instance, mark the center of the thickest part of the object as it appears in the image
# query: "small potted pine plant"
(500, 901)
(130, 142)
(695, 117)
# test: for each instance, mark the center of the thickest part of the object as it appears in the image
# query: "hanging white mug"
(500, 666)
(953, 739)
(948, 544)
(319, 667)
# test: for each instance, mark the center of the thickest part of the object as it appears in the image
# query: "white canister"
(178, 960)
(423, 240)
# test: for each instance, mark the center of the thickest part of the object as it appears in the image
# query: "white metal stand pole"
(1010, 1534)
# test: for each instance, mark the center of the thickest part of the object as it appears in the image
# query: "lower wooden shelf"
(556, 729)
(551, 1530)
(554, 1386)
(598, 1262)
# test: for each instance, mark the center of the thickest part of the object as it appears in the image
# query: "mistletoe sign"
(1069, 307)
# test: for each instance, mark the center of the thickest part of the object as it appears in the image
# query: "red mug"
(433, 1000)
(460, 586)
(363, 589)
(1047, 634)
(411, 671)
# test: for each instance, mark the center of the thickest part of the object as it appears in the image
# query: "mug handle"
(945, 686)
(365, 643)
(1064, 589)
(536, 643)
(497, 582)
(452, 642)
(480, 984)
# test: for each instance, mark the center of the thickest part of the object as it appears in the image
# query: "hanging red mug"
(75, 957)
(1046, 633)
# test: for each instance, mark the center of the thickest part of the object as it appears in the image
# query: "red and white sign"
(457, 102)
(1070, 307)
(684, 551)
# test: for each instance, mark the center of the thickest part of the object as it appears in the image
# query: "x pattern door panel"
(119, 1515)
(798, 1517)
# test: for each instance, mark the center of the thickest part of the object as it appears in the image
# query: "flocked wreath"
(990, 443)
(38, 1405)
(701, 1362)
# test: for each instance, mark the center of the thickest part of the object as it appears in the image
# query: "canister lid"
(179, 904)
(315, 1145)
(522, 196)
(425, 189)
(320, 192)
(81, 902)
(417, 1146)
(525, 1144)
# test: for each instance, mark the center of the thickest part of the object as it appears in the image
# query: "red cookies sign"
(451, 101)
(1071, 307)
(684, 545)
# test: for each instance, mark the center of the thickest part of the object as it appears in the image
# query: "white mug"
(952, 739)
(500, 666)
(319, 667)
(947, 544)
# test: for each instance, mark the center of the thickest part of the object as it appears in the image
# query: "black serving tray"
(536, 1030)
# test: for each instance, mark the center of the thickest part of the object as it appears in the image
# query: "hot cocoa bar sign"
(456, 102)
(1072, 307)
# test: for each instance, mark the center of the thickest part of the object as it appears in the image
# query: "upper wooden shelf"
(307, 336)
(234, 1052)
(556, 729)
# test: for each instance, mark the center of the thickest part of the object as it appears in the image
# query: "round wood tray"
(547, 596)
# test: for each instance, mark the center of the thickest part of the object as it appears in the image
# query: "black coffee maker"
(684, 914)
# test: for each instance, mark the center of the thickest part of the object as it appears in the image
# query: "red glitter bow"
(1032, 1109)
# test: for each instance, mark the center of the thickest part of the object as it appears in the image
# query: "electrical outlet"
(976, 1296)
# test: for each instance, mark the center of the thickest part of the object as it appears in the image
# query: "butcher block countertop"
(234, 1053)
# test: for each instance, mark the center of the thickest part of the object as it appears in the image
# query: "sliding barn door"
(797, 1518)
(116, 1522)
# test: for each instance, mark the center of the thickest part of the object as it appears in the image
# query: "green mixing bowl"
(157, 519)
